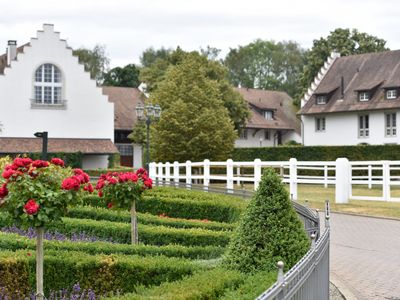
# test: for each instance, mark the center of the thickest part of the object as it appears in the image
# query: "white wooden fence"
(343, 174)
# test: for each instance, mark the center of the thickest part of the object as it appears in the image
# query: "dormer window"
(391, 94)
(321, 99)
(363, 96)
(269, 114)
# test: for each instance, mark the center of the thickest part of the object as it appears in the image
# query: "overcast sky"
(127, 27)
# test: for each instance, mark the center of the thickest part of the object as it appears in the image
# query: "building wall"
(256, 138)
(343, 129)
(88, 114)
(91, 162)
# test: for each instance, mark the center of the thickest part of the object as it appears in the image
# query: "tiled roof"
(279, 102)
(34, 145)
(3, 58)
(372, 71)
(125, 101)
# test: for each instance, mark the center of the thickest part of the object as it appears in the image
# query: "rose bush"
(37, 192)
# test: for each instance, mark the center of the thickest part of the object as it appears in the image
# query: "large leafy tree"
(150, 55)
(156, 72)
(344, 41)
(95, 61)
(127, 76)
(266, 65)
(194, 124)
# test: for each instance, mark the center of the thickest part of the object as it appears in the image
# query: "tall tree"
(127, 76)
(95, 61)
(194, 123)
(150, 55)
(266, 65)
(154, 74)
(344, 41)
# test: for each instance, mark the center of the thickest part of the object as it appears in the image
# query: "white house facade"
(354, 100)
(44, 88)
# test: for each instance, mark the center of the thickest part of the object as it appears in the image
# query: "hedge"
(202, 285)
(13, 242)
(96, 213)
(102, 273)
(98, 172)
(73, 160)
(318, 153)
(148, 234)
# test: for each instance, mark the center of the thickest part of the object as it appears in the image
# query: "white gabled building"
(44, 88)
(354, 100)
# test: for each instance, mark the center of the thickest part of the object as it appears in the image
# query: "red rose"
(100, 184)
(88, 188)
(71, 183)
(40, 164)
(134, 177)
(148, 183)
(3, 191)
(100, 194)
(22, 162)
(31, 207)
(8, 173)
(57, 161)
(109, 205)
(112, 180)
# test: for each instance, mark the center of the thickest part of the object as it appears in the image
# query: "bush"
(202, 285)
(15, 242)
(318, 153)
(96, 213)
(102, 273)
(98, 172)
(269, 230)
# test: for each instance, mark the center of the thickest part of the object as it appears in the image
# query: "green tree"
(95, 61)
(269, 230)
(194, 124)
(150, 55)
(154, 74)
(346, 42)
(127, 76)
(266, 65)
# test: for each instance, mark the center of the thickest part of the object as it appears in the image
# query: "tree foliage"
(346, 42)
(155, 73)
(127, 76)
(150, 56)
(266, 65)
(194, 124)
(95, 61)
(269, 230)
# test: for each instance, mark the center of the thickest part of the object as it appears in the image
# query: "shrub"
(202, 285)
(96, 213)
(269, 230)
(15, 242)
(102, 273)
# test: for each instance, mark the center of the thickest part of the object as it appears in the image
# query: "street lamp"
(148, 113)
(43, 135)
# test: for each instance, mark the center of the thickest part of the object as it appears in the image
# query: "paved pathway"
(365, 256)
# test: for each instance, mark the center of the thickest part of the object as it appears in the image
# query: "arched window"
(48, 85)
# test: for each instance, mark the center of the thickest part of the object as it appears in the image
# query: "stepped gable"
(3, 57)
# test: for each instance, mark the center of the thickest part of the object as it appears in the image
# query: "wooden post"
(39, 263)
(134, 231)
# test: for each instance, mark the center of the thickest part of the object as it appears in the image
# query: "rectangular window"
(320, 124)
(321, 99)
(363, 126)
(243, 134)
(267, 135)
(47, 94)
(391, 94)
(38, 75)
(38, 94)
(269, 114)
(390, 125)
(57, 94)
(363, 96)
(125, 149)
(48, 73)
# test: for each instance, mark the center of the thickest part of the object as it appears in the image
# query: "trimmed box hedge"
(102, 273)
(13, 242)
(97, 213)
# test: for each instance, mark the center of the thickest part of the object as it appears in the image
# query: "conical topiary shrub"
(269, 230)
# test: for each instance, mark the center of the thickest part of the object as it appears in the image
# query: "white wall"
(342, 129)
(88, 113)
(258, 140)
(90, 162)
(137, 156)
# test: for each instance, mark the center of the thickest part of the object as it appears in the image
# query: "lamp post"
(148, 113)
(44, 136)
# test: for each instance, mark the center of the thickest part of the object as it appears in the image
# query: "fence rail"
(342, 174)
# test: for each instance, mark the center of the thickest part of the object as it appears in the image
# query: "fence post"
(280, 266)
(153, 171)
(369, 176)
(176, 173)
(386, 180)
(167, 173)
(326, 176)
(238, 175)
(206, 174)
(188, 174)
(343, 180)
(160, 173)
(293, 178)
(257, 172)
(229, 176)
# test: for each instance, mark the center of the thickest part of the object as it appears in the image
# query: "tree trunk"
(39, 263)
(134, 232)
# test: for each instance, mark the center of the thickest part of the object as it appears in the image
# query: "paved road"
(365, 256)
